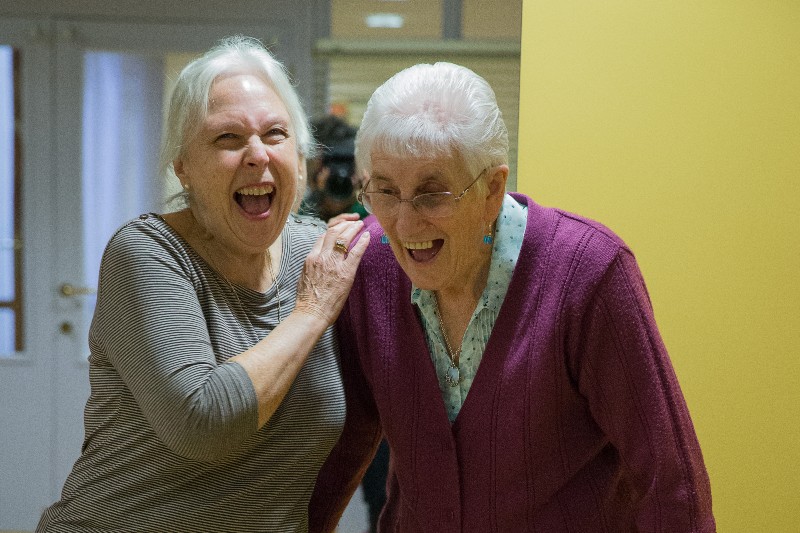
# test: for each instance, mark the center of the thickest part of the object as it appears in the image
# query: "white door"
(89, 103)
(28, 336)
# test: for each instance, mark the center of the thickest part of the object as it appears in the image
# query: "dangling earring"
(384, 239)
(488, 239)
(185, 186)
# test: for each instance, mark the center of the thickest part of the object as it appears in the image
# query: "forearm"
(273, 363)
(151, 326)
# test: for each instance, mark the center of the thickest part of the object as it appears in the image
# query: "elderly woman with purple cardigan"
(507, 351)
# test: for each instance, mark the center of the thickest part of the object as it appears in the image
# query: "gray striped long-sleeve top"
(171, 442)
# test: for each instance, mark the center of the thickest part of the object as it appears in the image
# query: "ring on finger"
(340, 245)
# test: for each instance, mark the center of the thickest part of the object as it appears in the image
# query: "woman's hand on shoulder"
(329, 270)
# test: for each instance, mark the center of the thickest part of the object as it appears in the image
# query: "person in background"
(215, 386)
(333, 182)
(507, 351)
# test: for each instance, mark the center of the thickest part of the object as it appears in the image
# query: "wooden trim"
(341, 47)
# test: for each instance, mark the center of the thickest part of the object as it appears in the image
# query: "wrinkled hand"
(328, 273)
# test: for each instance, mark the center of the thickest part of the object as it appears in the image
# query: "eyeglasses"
(430, 205)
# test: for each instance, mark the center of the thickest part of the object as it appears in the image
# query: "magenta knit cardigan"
(575, 420)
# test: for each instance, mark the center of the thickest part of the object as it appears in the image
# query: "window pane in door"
(122, 108)
(122, 115)
(6, 173)
(6, 326)
(10, 308)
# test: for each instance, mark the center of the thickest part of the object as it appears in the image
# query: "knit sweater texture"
(575, 420)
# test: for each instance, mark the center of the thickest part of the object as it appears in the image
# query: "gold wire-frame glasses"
(430, 204)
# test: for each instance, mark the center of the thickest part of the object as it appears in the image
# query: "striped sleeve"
(151, 327)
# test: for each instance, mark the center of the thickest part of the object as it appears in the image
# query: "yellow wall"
(677, 123)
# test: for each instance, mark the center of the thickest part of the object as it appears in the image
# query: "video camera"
(340, 161)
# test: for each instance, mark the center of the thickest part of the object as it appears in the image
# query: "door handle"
(70, 290)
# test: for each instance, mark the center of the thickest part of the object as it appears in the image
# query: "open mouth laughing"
(423, 251)
(255, 200)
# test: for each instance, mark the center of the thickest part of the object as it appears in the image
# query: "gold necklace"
(275, 282)
(210, 263)
(232, 287)
(453, 375)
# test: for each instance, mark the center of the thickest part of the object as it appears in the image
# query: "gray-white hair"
(430, 111)
(188, 107)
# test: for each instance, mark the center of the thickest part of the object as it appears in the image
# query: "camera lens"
(339, 183)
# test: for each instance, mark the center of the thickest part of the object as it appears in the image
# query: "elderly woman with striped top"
(507, 351)
(216, 392)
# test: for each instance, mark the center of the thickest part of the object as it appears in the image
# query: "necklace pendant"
(453, 375)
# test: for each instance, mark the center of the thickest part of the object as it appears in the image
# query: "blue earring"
(384, 239)
(488, 239)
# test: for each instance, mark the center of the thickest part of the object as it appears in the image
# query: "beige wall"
(480, 19)
(423, 19)
(491, 19)
(678, 124)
